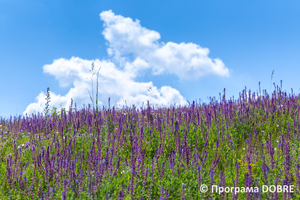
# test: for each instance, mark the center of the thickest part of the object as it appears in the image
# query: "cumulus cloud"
(186, 60)
(119, 85)
(117, 79)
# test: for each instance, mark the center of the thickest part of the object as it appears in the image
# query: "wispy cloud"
(117, 79)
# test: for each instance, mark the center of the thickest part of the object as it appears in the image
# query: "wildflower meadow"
(155, 152)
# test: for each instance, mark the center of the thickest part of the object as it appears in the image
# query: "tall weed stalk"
(48, 99)
(91, 96)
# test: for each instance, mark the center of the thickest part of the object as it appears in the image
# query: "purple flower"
(178, 171)
(183, 191)
(212, 175)
(46, 172)
(64, 197)
(121, 194)
(162, 192)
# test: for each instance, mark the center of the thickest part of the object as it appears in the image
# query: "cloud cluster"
(187, 61)
(117, 79)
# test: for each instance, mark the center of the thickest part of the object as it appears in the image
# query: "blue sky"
(182, 50)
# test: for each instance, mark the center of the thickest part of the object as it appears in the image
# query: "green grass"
(239, 128)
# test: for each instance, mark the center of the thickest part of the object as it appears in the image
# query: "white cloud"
(187, 61)
(114, 83)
